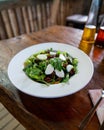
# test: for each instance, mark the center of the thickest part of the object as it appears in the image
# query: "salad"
(50, 66)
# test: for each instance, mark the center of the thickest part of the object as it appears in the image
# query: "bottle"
(100, 36)
(88, 36)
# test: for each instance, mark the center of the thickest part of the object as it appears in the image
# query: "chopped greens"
(56, 63)
(50, 66)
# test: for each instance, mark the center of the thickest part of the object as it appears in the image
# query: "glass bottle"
(88, 37)
(100, 36)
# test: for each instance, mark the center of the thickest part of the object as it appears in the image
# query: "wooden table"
(64, 113)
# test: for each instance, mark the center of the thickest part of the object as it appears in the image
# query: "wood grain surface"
(64, 113)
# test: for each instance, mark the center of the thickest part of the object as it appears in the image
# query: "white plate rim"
(53, 91)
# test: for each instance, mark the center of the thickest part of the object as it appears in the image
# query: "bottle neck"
(93, 12)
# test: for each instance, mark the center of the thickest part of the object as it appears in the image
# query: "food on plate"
(50, 66)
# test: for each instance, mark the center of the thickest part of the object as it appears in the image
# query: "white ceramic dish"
(27, 86)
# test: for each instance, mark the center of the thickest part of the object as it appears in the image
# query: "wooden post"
(54, 11)
(43, 15)
(13, 22)
(20, 20)
(48, 14)
(39, 16)
(35, 18)
(29, 9)
(2, 29)
(6, 21)
(26, 21)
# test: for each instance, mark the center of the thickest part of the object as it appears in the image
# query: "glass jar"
(100, 36)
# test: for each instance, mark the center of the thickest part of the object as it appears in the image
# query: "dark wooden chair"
(19, 17)
(76, 20)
